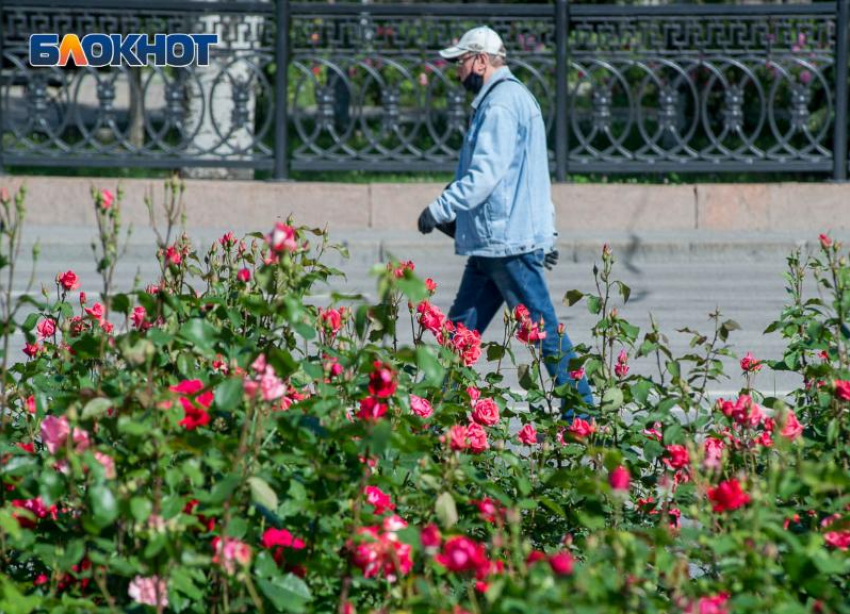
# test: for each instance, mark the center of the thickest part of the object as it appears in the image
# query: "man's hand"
(550, 260)
(426, 223)
(448, 228)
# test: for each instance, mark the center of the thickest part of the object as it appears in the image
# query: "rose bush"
(222, 443)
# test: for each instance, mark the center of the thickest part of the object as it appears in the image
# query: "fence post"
(842, 23)
(562, 69)
(281, 86)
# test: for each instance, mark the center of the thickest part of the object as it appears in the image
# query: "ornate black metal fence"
(623, 88)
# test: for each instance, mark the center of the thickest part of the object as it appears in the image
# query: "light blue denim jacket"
(501, 195)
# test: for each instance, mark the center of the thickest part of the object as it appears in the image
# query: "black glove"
(426, 223)
(448, 228)
(550, 260)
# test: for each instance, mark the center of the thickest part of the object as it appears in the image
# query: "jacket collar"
(500, 75)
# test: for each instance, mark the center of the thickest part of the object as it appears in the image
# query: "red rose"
(461, 554)
(371, 409)
(842, 390)
(679, 457)
(382, 383)
(619, 479)
(728, 496)
(561, 563)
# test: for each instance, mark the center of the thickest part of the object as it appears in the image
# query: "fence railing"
(707, 88)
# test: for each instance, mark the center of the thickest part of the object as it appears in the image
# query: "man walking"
(499, 207)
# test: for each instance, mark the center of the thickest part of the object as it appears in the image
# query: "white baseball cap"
(477, 40)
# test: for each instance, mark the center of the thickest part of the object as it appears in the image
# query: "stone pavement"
(678, 277)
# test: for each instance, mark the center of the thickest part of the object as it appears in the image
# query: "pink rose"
(282, 238)
(477, 438)
(173, 255)
(108, 464)
(528, 435)
(467, 343)
(461, 554)
(709, 605)
(430, 537)
(421, 407)
(378, 499)
(151, 591)
(68, 280)
(792, 427)
(54, 432)
(106, 199)
(486, 412)
(430, 317)
(244, 275)
(46, 328)
(271, 386)
(581, 428)
(713, 453)
(457, 437)
(750, 364)
(230, 552)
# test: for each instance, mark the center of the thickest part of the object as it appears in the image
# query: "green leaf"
(429, 365)
(9, 525)
(121, 303)
(525, 377)
(262, 493)
(625, 291)
(96, 408)
(287, 594)
(283, 362)
(74, 551)
(572, 297)
(12, 601)
(181, 580)
(640, 391)
(594, 304)
(446, 510)
(104, 506)
(495, 352)
(228, 394)
(30, 322)
(612, 399)
(200, 334)
(140, 508)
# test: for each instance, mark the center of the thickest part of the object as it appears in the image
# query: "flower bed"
(220, 443)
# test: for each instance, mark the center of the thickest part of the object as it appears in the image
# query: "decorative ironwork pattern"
(710, 91)
(628, 89)
(390, 101)
(219, 115)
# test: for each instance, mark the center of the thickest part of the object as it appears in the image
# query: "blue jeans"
(489, 282)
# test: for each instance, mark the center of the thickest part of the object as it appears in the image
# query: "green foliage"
(227, 442)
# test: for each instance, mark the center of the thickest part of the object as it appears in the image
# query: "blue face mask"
(473, 83)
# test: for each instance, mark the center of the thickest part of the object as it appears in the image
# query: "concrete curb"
(368, 246)
(809, 208)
